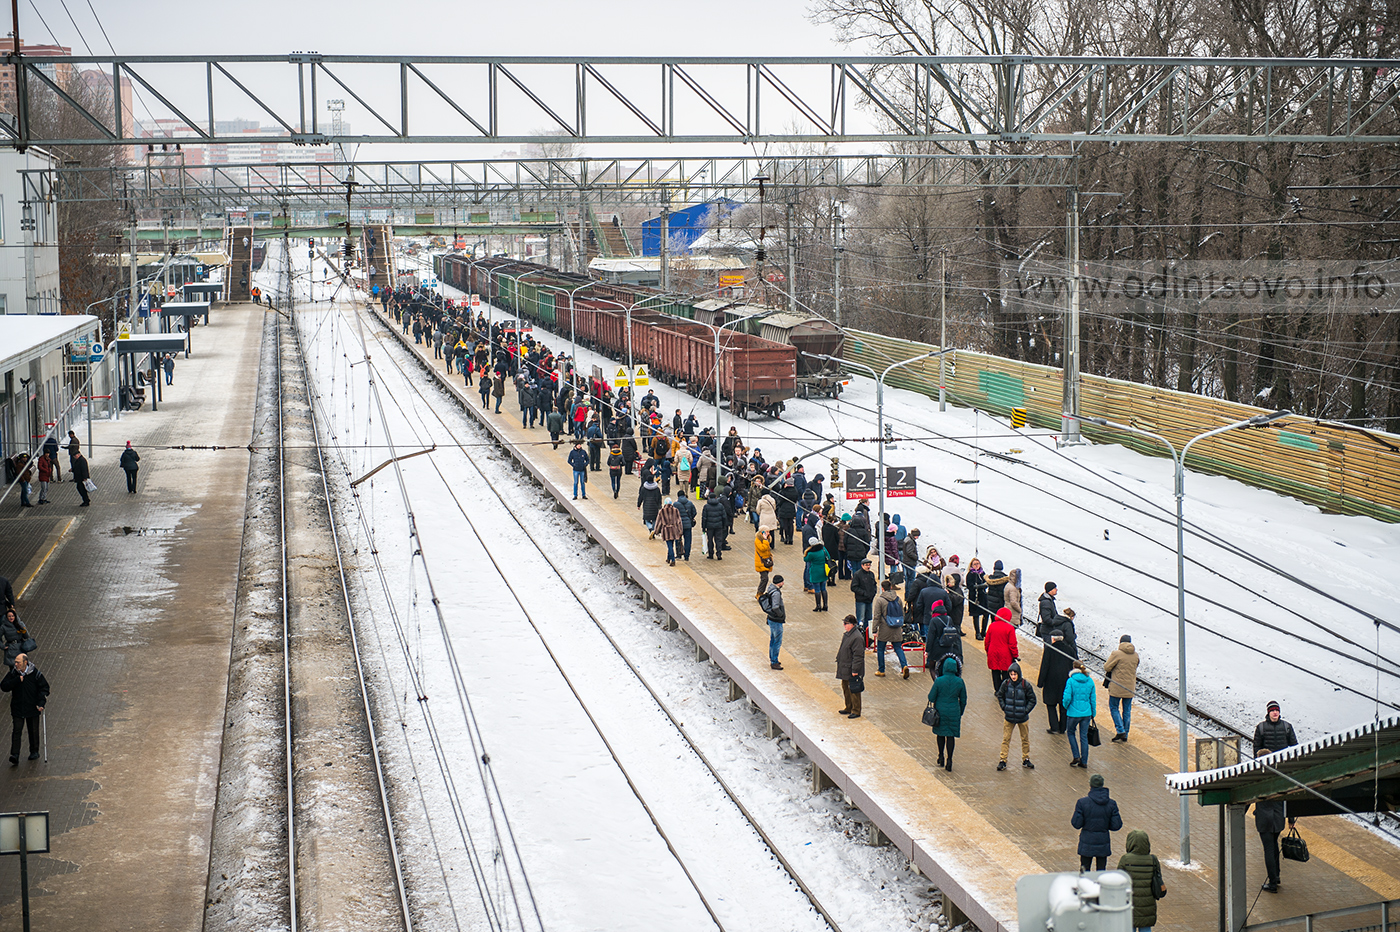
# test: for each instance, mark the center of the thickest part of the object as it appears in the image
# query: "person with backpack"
(1016, 698)
(615, 469)
(949, 696)
(889, 626)
(688, 513)
(772, 604)
(1142, 866)
(1096, 815)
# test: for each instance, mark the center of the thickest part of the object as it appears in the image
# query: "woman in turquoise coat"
(949, 697)
(1081, 705)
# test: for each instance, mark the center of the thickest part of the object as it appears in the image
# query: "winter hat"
(953, 559)
(1004, 614)
(996, 567)
(1272, 707)
(128, 444)
(1050, 587)
(1096, 780)
(846, 517)
(777, 579)
(1126, 639)
(866, 562)
(669, 501)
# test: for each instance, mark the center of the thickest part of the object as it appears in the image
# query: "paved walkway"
(983, 827)
(131, 601)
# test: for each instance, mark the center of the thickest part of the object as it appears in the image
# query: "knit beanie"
(1272, 707)
(1050, 587)
(1096, 781)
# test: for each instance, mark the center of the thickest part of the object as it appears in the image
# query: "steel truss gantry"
(945, 99)
(463, 184)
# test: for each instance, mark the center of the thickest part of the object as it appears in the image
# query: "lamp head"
(1259, 420)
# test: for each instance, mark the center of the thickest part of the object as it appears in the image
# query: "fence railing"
(1385, 910)
(1339, 468)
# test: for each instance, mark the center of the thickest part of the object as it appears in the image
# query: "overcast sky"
(433, 27)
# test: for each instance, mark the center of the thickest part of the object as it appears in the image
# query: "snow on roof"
(26, 337)
(653, 263)
(1241, 773)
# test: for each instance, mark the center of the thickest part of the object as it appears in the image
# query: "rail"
(1310, 919)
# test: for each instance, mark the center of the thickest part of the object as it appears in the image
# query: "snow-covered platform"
(972, 832)
(131, 602)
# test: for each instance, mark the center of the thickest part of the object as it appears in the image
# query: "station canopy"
(1358, 769)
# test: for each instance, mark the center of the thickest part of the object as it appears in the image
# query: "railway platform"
(974, 831)
(131, 602)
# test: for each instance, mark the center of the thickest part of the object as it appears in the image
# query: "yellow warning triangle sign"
(639, 376)
(621, 377)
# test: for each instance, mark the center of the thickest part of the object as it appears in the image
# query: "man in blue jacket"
(579, 461)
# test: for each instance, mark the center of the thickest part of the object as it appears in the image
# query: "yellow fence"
(1339, 469)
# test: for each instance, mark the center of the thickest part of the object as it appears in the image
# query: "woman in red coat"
(1001, 646)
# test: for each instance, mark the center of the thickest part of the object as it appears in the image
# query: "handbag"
(1293, 846)
(1093, 738)
(857, 684)
(767, 563)
(931, 717)
(1159, 886)
(89, 485)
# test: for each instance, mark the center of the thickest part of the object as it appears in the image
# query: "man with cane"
(29, 694)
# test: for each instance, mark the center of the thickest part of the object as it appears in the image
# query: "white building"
(36, 387)
(13, 243)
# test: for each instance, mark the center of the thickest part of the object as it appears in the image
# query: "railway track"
(695, 810)
(343, 863)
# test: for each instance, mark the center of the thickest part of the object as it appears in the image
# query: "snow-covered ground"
(1111, 548)
(509, 669)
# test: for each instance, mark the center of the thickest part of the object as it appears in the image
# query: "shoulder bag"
(1293, 846)
(1093, 738)
(858, 684)
(1159, 886)
(931, 718)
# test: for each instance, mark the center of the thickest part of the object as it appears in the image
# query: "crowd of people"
(45, 470)
(917, 600)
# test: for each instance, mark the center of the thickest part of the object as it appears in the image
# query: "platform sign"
(621, 378)
(860, 483)
(639, 376)
(476, 300)
(900, 482)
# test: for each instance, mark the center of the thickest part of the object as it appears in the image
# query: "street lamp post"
(627, 310)
(573, 342)
(879, 378)
(1179, 464)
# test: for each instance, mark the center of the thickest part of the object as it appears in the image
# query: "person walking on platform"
(668, 525)
(1143, 867)
(1081, 704)
(554, 423)
(74, 448)
(864, 587)
(1002, 650)
(1017, 699)
(1055, 665)
(29, 693)
(130, 465)
(850, 667)
(485, 391)
(763, 557)
(772, 604)
(78, 469)
(996, 590)
(688, 514)
(949, 697)
(1120, 672)
(888, 613)
(1096, 815)
(579, 461)
(169, 366)
(1271, 735)
(498, 389)
(977, 597)
(615, 469)
(649, 501)
(714, 520)
(594, 434)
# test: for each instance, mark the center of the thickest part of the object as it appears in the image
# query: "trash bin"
(1018, 417)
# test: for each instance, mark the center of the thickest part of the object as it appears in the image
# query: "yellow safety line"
(55, 538)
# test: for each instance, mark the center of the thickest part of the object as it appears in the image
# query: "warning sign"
(123, 330)
(639, 376)
(620, 378)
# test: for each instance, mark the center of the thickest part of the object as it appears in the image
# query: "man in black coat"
(714, 521)
(78, 469)
(29, 693)
(1055, 664)
(1048, 612)
(858, 536)
(1270, 735)
(864, 585)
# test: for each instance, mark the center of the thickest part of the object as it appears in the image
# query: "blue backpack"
(894, 613)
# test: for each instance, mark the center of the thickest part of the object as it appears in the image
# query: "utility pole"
(792, 263)
(1070, 402)
(943, 325)
(838, 237)
(134, 296)
(665, 236)
(582, 256)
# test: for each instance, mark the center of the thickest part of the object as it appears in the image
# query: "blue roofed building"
(684, 226)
